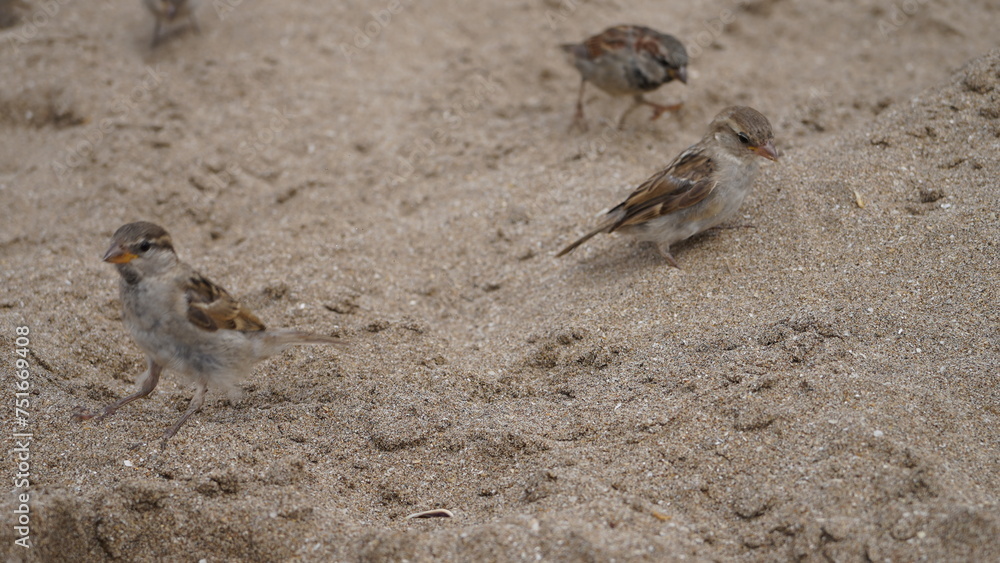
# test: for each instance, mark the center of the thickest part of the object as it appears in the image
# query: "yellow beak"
(766, 150)
(118, 255)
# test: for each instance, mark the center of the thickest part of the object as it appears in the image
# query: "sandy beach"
(819, 383)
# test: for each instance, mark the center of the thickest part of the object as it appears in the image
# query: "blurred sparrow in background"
(701, 188)
(628, 60)
(170, 11)
(184, 322)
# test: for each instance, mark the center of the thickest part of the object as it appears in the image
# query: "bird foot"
(578, 124)
(665, 253)
(81, 414)
(659, 110)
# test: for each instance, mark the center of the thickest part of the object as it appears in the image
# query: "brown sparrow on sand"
(184, 322)
(169, 11)
(628, 60)
(701, 188)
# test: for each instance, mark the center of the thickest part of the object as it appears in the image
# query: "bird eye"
(144, 246)
(743, 138)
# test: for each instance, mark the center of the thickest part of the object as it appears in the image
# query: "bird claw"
(81, 414)
(659, 110)
(665, 253)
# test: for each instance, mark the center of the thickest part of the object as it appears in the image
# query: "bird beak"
(118, 255)
(767, 150)
(680, 74)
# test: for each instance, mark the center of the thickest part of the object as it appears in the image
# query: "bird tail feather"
(602, 229)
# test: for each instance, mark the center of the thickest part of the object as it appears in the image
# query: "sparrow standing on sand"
(169, 11)
(701, 188)
(184, 322)
(628, 60)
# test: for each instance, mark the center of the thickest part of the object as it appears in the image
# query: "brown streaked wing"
(212, 308)
(685, 182)
(646, 42)
(611, 39)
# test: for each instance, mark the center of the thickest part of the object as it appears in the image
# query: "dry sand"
(822, 386)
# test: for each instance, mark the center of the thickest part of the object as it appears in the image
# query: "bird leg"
(152, 377)
(196, 402)
(636, 103)
(665, 252)
(658, 109)
(578, 120)
(194, 23)
(156, 34)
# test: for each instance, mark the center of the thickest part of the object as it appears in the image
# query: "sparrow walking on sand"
(184, 322)
(701, 188)
(628, 60)
(170, 11)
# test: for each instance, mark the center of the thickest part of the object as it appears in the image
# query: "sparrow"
(169, 11)
(628, 60)
(698, 190)
(184, 322)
